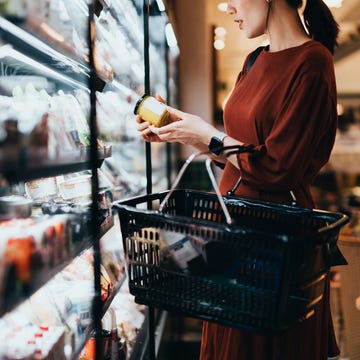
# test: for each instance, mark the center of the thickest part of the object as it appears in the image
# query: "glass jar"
(152, 110)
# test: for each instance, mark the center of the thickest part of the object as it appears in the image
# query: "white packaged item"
(42, 189)
(179, 248)
(76, 188)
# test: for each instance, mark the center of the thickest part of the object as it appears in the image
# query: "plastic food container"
(42, 189)
(14, 206)
(77, 189)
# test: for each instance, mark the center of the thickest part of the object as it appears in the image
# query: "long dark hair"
(319, 22)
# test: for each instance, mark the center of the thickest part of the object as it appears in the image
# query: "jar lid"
(139, 102)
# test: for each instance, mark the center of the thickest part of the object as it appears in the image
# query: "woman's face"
(250, 15)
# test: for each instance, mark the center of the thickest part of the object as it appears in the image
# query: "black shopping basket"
(260, 267)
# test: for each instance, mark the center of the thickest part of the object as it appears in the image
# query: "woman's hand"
(144, 126)
(184, 128)
(146, 133)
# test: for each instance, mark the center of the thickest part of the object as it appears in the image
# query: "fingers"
(167, 132)
(149, 136)
(143, 125)
(154, 130)
(163, 130)
(178, 114)
(161, 134)
(153, 138)
(147, 133)
(160, 98)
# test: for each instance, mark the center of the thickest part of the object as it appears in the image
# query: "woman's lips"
(240, 22)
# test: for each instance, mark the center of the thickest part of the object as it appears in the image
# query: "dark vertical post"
(146, 12)
(94, 161)
(168, 145)
(147, 91)
(214, 78)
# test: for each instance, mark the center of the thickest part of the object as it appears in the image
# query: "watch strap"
(217, 142)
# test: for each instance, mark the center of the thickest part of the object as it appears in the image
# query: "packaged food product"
(152, 110)
(21, 252)
(88, 353)
(179, 248)
(77, 189)
(14, 206)
(42, 189)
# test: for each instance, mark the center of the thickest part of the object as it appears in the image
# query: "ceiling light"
(220, 31)
(333, 3)
(219, 44)
(222, 6)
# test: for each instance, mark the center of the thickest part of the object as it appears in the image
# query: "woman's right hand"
(182, 127)
(146, 129)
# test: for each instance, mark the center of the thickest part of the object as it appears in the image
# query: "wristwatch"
(217, 143)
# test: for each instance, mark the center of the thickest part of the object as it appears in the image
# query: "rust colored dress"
(286, 107)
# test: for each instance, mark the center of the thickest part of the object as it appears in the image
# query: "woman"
(285, 106)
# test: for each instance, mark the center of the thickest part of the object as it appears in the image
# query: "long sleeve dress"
(285, 106)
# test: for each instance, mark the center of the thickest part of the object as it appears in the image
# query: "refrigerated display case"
(71, 73)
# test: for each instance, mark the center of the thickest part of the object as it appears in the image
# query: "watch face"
(215, 145)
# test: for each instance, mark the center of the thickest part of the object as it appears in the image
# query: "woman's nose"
(230, 10)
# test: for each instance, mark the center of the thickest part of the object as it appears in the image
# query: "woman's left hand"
(188, 129)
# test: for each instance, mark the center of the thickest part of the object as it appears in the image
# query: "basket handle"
(237, 149)
(211, 177)
(238, 182)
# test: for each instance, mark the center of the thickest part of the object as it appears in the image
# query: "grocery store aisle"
(181, 339)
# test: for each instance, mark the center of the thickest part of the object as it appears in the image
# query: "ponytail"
(321, 24)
